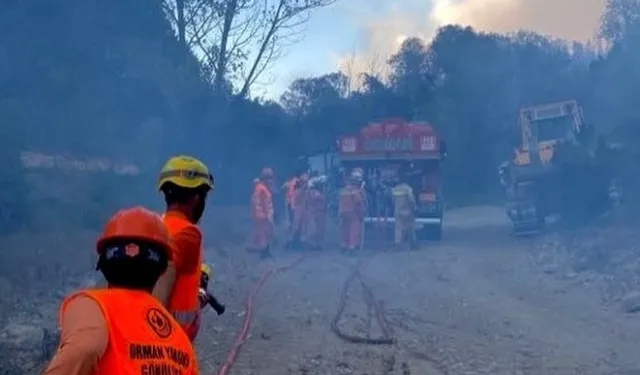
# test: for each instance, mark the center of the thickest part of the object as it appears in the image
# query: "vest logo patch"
(159, 322)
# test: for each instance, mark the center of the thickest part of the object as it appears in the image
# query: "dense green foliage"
(110, 79)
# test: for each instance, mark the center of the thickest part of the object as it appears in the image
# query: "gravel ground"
(479, 302)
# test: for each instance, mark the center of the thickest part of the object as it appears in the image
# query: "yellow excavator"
(555, 144)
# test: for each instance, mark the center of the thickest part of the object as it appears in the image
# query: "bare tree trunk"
(181, 24)
(263, 48)
(221, 64)
(225, 32)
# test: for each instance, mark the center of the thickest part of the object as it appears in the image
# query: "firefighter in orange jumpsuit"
(351, 210)
(262, 214)
(102, 327)
(185, 183)
(317, 212)
(298, 224)
(289, 188)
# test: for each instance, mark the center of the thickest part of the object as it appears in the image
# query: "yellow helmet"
(207, 270)
(186, 172)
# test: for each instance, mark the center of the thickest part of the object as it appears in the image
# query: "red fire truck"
(392, 149)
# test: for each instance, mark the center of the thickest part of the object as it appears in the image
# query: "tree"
(620, 21)
(469, 85)
(412, 76)
(307, 94)
(90, 79)
(239, 40)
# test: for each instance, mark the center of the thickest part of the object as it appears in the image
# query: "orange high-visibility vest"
(143, 337)
(183, 301)
(261, 202)
(315, 200)
(350, 201)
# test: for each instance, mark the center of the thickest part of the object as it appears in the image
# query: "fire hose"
(372, 305)
(241, 338)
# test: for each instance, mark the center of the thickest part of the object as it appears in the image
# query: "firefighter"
(262, 214)
(358, 174)
(101, 328)
(351, 210)
(185, 183)
(404, 203)
(342, 178)
(289, 188)
(206, 298)
(317, 212)
(299, 222)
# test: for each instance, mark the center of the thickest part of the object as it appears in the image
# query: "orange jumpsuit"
(317, 214)
(187, 259)
(290, 190)
(351, 210)
(261, 217)
(299, 222)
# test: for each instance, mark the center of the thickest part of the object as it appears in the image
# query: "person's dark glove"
(50, 342)
(216, 305)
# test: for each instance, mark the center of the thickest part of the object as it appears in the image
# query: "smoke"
(382, 32)
(568, 19)
(382, 27)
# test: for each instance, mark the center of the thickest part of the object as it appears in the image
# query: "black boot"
(414, 245)
(296, 243)
(266, 253)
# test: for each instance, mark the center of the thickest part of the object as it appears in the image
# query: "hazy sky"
(361, 34)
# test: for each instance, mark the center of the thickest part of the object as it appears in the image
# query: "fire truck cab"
(395, 150)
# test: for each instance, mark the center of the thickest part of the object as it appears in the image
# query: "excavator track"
(524, 211)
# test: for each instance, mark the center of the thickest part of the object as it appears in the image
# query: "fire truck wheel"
(430, 233)
(436, 232)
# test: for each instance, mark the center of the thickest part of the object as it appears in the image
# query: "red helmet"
(136, 223)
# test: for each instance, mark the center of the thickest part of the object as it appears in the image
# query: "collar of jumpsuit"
(175, 214)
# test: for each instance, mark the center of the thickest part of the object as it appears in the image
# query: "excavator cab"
(553, 140)
(543, 128)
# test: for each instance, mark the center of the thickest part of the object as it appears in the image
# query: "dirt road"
(473, 304)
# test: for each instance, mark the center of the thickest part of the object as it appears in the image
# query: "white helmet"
(317, 181)
(357, 173)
